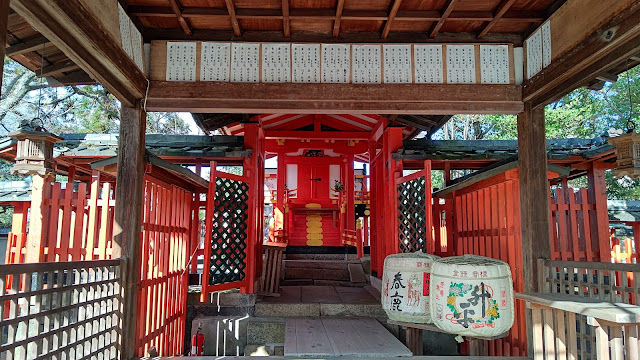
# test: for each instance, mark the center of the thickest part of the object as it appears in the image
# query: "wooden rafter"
(330, 14)
(501, 10)
(443, 18)
(336, 22)
(392, 15)
(176, 7)
(286, 26)
(231, 8)
(27, 46)
(65, 66)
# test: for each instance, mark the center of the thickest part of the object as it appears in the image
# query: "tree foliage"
(71, 109)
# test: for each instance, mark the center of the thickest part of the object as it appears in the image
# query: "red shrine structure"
(100, 265)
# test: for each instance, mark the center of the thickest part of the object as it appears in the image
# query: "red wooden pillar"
(598, 196)
(253, 171)
(350, 192)
(392, 169)
(431, 246)
(279, 213)
(194, 243)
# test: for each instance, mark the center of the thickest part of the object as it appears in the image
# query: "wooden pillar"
(534, 193)
(278, 222)
(598, 196)
(350, 192)
(38, 230)
(128, 215)
(4, 20)
(391, 142)
(253, 170)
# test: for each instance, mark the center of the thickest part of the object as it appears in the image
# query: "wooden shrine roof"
(477, 154)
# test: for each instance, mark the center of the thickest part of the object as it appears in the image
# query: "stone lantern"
(34, 155)
(627, 154)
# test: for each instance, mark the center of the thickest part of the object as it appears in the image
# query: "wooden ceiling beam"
(392, 15)
(372, 37)
(443, 18)
(59, 68)
(336, 22)
(231, 8)
(330, 14)
(79, 32)
(501, 10)
(287, 98)
(27, 46)
(177, 10)
(286, 25)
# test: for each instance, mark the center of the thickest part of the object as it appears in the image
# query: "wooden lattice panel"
(229, 236)
(412, 226)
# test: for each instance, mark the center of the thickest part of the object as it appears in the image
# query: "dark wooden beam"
(231, 8)
(447, 11)
(501, 10)
(534, 193)
(128, 214)
(345, 37)
(4, 20)
(392, 15)
(177, 10)
(418, 122)
(286, 25)
(590, 58)
(215, 97)
(336, 22)
(27, 46)
(58, 68)
(330, 14)
(77, 30)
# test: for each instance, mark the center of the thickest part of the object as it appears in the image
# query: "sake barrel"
(405, 287)
(472, 296)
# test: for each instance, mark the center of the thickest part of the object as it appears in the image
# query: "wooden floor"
(320, 337)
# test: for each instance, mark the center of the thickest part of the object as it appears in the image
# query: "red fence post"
(598, 197)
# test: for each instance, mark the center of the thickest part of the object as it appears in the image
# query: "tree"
(71, 109)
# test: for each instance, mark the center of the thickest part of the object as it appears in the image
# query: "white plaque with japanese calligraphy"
(125, 30)
(494, 64)
(245, 62)
(366, 64)
(461, 64)
(335, 63)
(276, 63)
(215, 59)
(397, 64)
(181, 61)
(137, 46)
(546, 44)
(306, 63)
(534, 54)
(428, 64)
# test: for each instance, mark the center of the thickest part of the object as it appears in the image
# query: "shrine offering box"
(405, 287)
(472, 296)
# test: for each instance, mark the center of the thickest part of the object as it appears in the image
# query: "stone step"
(296, 282)
(349, 257)
(317, 274)
(291, 310)
(338, 283)
(319, 264)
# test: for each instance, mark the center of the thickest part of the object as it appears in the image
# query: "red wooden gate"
(228, 247)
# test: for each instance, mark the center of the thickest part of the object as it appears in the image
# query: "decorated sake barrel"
(472, 296)
(405, 287)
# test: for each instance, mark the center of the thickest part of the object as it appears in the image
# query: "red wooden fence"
(164, 249)
(78, 223)
(575, 233)
(487, 223)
